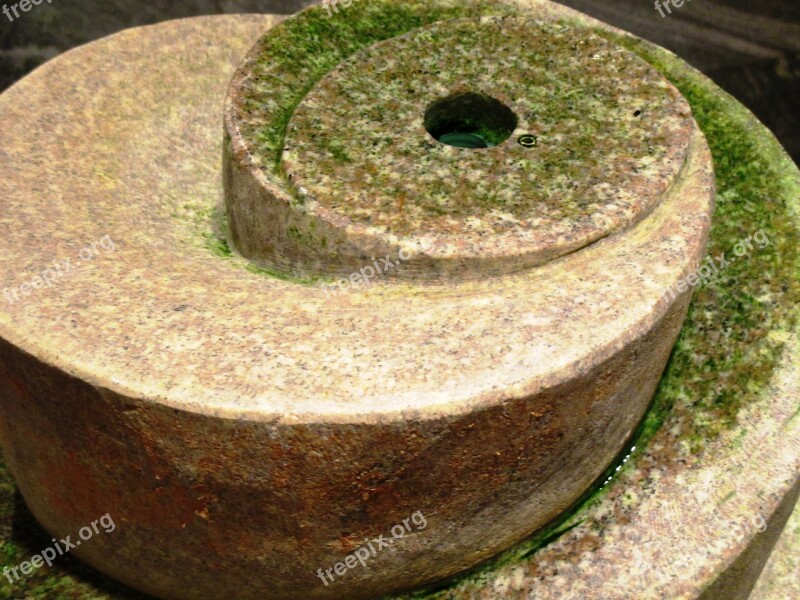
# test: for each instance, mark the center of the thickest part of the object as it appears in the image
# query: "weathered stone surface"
(780, 579)
(210, 435)
(360, 177)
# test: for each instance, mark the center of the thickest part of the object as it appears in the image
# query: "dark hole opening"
(470, 120)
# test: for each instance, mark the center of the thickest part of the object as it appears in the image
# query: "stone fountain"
(386, 302)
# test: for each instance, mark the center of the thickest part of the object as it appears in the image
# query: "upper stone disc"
(474, 147)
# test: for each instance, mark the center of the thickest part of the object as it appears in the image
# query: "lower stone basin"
(179, 442)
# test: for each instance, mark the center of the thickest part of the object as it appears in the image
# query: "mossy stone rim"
(359, 174)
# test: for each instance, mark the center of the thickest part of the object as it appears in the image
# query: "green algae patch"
(302, 50)
(212, 225)
(737, 324)
(289, 278)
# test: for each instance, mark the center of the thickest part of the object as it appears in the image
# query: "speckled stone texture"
(245, 430)
(360, 177)
(780, 579)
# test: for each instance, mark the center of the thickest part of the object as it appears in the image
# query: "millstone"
(434, 287)
(361, 173)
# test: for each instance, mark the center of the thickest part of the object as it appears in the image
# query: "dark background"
(751, 49)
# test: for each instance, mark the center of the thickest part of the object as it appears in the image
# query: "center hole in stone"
(470, 120)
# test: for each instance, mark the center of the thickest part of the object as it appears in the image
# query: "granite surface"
(757, 352)
(490, 406)
(612, 137)
(780, 579)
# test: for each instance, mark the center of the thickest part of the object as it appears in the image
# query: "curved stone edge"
(76, 450)
(739, 579)
(780, 578)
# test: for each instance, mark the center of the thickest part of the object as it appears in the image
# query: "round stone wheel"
(363, 173)
(248, 428)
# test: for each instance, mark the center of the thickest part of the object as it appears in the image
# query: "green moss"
(302, 50)
(275, 274)
(493, 137)
(218, 245)
(753, 297)
(215, 235)
(336, 150)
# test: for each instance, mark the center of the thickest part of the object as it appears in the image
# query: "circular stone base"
(631, 539)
